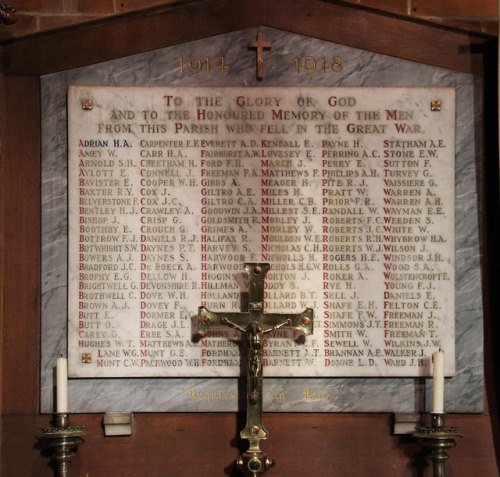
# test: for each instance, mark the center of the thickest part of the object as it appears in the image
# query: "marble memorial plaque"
(303, 66)
(346, 192)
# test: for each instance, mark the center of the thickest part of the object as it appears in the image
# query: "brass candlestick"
(437, 439)
(62, 439)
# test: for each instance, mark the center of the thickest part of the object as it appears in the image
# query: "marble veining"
(463, 392)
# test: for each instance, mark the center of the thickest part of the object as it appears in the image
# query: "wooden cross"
(254, 324)
(260, 45)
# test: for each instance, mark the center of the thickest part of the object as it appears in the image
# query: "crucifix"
(260, 45)
(254, 324)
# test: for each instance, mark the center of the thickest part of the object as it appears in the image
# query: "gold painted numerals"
(312, 65)
(195, 65)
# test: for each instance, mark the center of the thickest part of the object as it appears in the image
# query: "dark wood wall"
(42, 16)
(180, 444)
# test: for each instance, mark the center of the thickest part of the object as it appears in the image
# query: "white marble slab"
(346, 192)
(360, 68)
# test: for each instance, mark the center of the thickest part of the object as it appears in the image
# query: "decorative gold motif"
(206, 320)
(255, 306)
(86, 358)
(87, 104)
(254, 325)
(7, 14)
(436, 105)
(279, 396)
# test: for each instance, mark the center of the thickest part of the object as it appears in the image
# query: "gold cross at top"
(260, 44)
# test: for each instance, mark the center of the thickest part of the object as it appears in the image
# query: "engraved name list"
(346, 192)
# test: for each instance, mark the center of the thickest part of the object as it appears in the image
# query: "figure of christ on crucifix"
(254, 334)
(255, 324)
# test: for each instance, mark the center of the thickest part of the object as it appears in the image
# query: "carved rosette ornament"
(7, 14)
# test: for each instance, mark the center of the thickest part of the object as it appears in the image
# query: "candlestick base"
(63, 441)
(437, 439)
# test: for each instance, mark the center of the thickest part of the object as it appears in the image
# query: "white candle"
(438, 381)
(62, 385)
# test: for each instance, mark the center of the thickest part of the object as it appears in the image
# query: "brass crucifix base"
(254, 463)
(255, 324)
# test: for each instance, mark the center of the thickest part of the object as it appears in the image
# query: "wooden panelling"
(38, 6)
(20, 212)
(36, 16)
(455, 8)
(195, 445)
